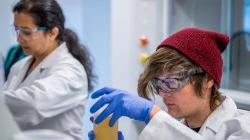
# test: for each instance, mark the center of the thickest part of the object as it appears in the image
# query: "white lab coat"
(52, 96)
(225, 123)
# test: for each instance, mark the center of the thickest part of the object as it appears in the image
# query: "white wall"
(97, 37)
(73, 12)
(130, 20)
(7, 38)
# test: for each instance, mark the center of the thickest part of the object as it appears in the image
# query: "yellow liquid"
(104, 132)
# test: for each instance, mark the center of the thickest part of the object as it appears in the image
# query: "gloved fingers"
(105, 113)
(91, 135)
(100, 103)
(116, 115)
(120, 136)
(102, 91)
(91, 119)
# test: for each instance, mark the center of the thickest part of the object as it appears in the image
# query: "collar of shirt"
(224, 112)
(57, 54)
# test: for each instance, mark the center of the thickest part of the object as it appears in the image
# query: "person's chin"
(27, 51)
(174, 114)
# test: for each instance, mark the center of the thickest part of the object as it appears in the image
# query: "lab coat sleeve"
(61, 88)
(163, 127)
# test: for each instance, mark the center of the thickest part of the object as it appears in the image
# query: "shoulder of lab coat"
(17, 72)
(225, 123)
(162, 126)
(56, 85)
(227, 110)
(237, 128)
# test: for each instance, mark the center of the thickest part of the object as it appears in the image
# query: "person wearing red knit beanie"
(185, 71)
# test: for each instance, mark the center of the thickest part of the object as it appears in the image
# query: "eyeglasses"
(170, 83)
(28, 33)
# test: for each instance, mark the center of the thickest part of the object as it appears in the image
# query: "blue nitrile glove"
(121, 103)
(91, 135)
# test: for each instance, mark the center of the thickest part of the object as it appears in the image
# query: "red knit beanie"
(202, 47)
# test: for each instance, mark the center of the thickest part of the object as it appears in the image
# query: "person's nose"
(20, 38)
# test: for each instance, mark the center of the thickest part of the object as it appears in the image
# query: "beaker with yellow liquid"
(104, 132)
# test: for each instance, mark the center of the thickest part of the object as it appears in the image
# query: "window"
(231, 17)
(239, 53)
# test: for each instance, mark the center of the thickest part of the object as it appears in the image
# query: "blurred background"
(120, 34)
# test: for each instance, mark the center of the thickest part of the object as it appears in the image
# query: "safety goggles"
(170, 83)
(28, 33)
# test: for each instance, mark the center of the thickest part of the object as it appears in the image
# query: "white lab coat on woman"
(52, 96)
(225, 123)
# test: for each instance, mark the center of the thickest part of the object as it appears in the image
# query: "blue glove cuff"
(148, 110)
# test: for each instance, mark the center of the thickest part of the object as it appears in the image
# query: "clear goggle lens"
(28, 33)
(170, 83)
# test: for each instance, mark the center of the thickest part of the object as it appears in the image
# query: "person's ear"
(54, 33)
(210, 83)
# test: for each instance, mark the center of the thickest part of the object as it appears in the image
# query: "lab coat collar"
(52, 59)
(54, 56)
(224, 112)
